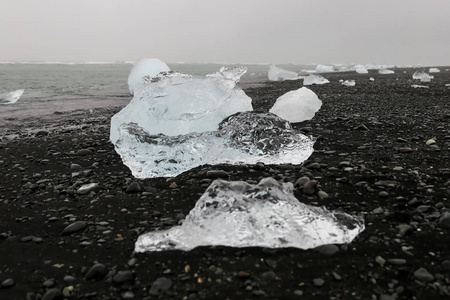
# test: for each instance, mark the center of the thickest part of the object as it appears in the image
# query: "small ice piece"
(422, 76)
(11, 97)
(349, 83)
(246, 137)
(420, 86)
(279, 74)
(447, 84)
(314, 79)
(239, 214)
(145, 67)
(434, 70)
(385, 71)
(372, 79)
(360, 69)
(297, 106)
(175, 103)
(324, 69)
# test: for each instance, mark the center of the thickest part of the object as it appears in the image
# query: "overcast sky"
(399, 32)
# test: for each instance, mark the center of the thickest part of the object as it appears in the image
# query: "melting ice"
(239, 214)
(360, 69)
(434, 70)
(145, 67)
(314, 79)
(297, 106)
(279, 74)
(385, 71)
(422, 76)
(324, 69)
(349, 83)
(11, 97)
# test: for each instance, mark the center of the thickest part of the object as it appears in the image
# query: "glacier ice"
(385, 71)
(239, 214)
(420, 86)
(314, 79)
(434, 70)
(297, 106)
(279, 74)
(145, 67)
(349, 83)
(248, 137)
(422, 76)
(324, 69)
(375, 67)
(175, 103)
(11, 97)
(360, 69)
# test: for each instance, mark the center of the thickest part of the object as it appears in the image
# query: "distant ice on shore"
(11, 97)
(422, 76)
(385, 71)
(324, 69)
(420, 86)
(315, 79)
(434, 70)
(360, 69)
(239, 214)
(278, 74)
(349, 83)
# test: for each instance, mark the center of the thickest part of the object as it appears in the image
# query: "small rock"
(123, 276)
(84, 152)
(74, 227)
(309, 188)
(7, 283)
(134, 188)
(268, 276)
(51, 294)
(431, 142)
(444, 221)
(160, 285)
(361, 127)
(405, 149)
(87, 188)
(322, 194)
(217, 174)
(327, 249)
(378, 210)
(318, 282)
(381, 261)
(96, 272)
(314, 165)
(423, 275)
(383, 194)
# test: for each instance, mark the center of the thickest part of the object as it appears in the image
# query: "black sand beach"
(382, 150)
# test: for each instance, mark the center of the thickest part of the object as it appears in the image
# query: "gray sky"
(243, 31)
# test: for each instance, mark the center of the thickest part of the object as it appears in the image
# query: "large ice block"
(239, 214)
(279, 74)
(360, 69)
(174, 103)
(145, 67)
(314, 79)
(11, 97)
(324, 69)
(434, 70)
(297, 106)
(422, 76)
(246, 137)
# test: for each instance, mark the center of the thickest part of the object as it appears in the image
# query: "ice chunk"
(385, 71)
(239, 214)
(422, 76)
(11, 97)
(420, 86)
(361, 69)
(375, 67)
(175, 103)
(324, 69)
(297, 106)
(434, 70)
(247, 137)
(372, 79)
(231, 76)
(314, 79)
(145, 67)
(279, 74)
(349, 83)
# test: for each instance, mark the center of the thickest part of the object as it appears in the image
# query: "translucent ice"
(385, 71)
(297, 106)
(11, 97)
(238, 214)
(360, 69)
(247, 137)
(174, 103)
(434, 70)
(375, 67)
(314, 79)
(420, 86)
(279, 74)
(145, 67)
(422, 76)
(349, 83)
(324, 69)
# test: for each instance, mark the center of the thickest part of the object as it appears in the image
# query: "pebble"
(84, 152)
(160, 285)
(444, 220)
(7, 283)
(378, 210)
(318, 282)
(309, 188)
(322, 194)
(123, 276)
(74, 227)
(268, 276)
(431, 142)
(397, 261)
(381, 261)
(405, 149)
(97, 272)
(87, 188)
(216, 174)
(383, 194)
(51, 294)
(327, 249)
(134, 188)
(423, 275)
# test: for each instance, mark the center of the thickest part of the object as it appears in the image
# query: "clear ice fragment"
(239, 214)
(349, 83)
(246, 137)
(422, 76)
(279, 74)
(385, 71)
(11, 97)
(434, 70)
(297, 106)
(420, 86)
(314, 79)
(360, 69)
(145, 67)
(324, 69)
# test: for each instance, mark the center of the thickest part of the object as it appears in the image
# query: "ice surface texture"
(297, 106)
(11, 97)
(239, 214)
(279, 74)
(324, 69)
(248, 137)
(422, 76)
(314, 79)
(145, 67)
(175, 103)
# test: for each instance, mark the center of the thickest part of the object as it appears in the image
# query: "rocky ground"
(382, 151)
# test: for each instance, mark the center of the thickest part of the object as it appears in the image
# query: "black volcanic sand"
(371, 158)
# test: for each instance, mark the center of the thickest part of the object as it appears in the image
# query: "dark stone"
(84, 152)
(160, 285)
(123, 276)
(51, 294)
(74, 227)
(7, 283)
(97, 272)
(216, 174)
(134, 188)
